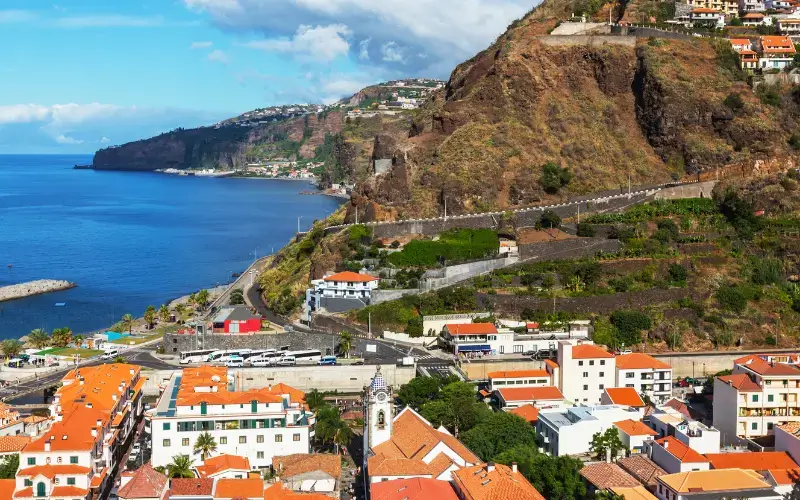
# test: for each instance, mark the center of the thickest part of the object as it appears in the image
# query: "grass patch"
(457, 245)
(70, 351)
(139, 340)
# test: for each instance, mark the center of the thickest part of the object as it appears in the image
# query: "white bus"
(195, 356)
(224, 356)
(309, 356)
(269, 356)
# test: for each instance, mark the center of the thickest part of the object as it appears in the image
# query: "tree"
(9, 466)
(119, 359)
(732, 298)
(181, 466)
(237, 297)
(78, 339)
(205, 445)
(554, 178)
(677, 273)
(738, 211)
(629, 324)
(192, 300)
(734, 101)
(418, 391)
(345, 343)
(62, 337)
(38, 338)
(180, 311)
(414, 327)
(550, 220)
(127, 322)
(331, 429)
(607, 495)
(556, 478)
(607, 443)
(456, 408)
(11, 347)
(315, 399)
(497, 433)
(202, 298)
(150, 316)
(163, 313)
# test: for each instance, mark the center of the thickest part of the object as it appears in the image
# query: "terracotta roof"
(350, 276)
(96, 385)
(679, 406)
(548, 393)
(705, 11)
(764, 367)
(68, 491)
(604, 475)
(23, 493)
(784, 476)
(761, 460)
(778, 44)
(193, 486)
(477, 483)
(417, 488)
(589, 351)
(753, 15)
(626, 396)
(205, 376)
(640, 361)
(302, 463)
(550, 363)
(642, 468)
(52, 471)
(381, 465)
(741, 382)
(714, 481)
(680, 451)
(519, 374)
(7, 487)
(740, 41)
(528, 412)
(440, 464)
(145, 483)
(532, 325)
(791, 427)
(635, 493)
(278, 492)
(471, 328)
(77, 425)
(239, 488)
(13, 443)
(221, 463)
(635, 428)
(34, 419)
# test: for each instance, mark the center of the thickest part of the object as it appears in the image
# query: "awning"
(473, 348)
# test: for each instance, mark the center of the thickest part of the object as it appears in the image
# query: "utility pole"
(445, 208)
(298, 223)
(369, 325)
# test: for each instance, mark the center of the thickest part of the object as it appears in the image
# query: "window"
(629, 375)
(580, 363)
(165, 443)
(629, 385)
(259, 454)
(602, 386)
(242, 439)
(185, 442)
(28, 482)
(754, 426)
(31, 460)
(770, 398)
(603, 362)
(223, 440)
(278, 438)
(253, 406)
(203, 408)
(165, 426)
(295, 437)
(770, 425)
(602, 374)
(73, 460)
(585, 388)
(260, 438)
(768, 382)
(585, 374)
(71, 481)
(591, 362)
(59, 460)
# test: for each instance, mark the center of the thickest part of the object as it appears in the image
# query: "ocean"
(131, 239)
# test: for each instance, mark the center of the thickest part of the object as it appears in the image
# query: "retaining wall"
(555, 40)
(567, 249)
(461, 272)
(698, 190)
(379, 296)
(297, 340)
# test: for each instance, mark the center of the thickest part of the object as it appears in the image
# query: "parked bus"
(223, 356)
(311, 355)
(195, 356)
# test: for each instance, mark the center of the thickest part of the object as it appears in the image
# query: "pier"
(30, 288)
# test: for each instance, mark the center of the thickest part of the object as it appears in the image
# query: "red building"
(236, 320)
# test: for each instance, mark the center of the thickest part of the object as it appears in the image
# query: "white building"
(585, 371)
(790, 27)
(717, 483)
(633, 434)
(707, 17)
(646, 375)
(787, 438)
(776, 52)
(486, 339)
(752, 6)
(569, 431)
(257, 424)
(340, 292)
(519, 378)
(666, 421)
(539, 397)
(761, 393)
(675, 456)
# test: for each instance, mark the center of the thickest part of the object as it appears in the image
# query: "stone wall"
(433, 280)
(590, 40)
(379, 296)
(575, 28)
(697, 190)
(567, 249)
(296, 340)
(335, 325)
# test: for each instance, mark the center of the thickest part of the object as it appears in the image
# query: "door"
(502, 349)
(40, 490)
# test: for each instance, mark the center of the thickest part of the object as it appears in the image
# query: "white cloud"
(105, 140)
(16, 16)
(363, 49)
(218, 56)
(201, 45)
(109, 21)
(23, 113)
(323, 43)
(63, 139)
(392, 52)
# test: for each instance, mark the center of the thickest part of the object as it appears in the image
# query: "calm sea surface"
(130, 239)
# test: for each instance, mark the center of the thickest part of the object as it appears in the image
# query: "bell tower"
(380, 410)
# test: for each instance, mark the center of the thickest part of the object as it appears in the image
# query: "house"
(254, 423)
(540, 397)
(756, 397)
(236, 319)
(12, 445)
(777, 52)
(585, 370)
(790, 27)
(407, 445)
(667, 421)
(718, 483)
(309, 472)
(646, 375)
(728, 7)
(10, 422)
(643, 469)
(191, 489)
(491, 481)
(224, 467)
(278, 492)
(228, 489)
(529, 412)
(36, 424)
(739, 44)
(674, 456)
(635, 493)
(754, 19)
(519, 378)
(144, 484)
(711, 18)
(751, 6)
(604, 476)
(486, 338)
(782, 480)
(569, 431)
(633, 434)
(340, 292)
(416, 488)
(623, 396)
(756, 460)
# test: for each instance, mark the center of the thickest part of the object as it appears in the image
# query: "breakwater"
(37, 287)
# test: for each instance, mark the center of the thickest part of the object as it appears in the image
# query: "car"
(358, 362)
(683, 383)
(136, 448)
(624, 351)
(287, 361)
(235, 362)
(133, 456)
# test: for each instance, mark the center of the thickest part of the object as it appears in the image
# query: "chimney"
(514, 467)
(94, 432)
(490, 467)
(81, 382)
(131, 371)
(666, 444)
(114, 397)
(608, 455)
(47, 446)
(99, 423)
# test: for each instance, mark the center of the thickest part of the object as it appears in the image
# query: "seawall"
(30, 288)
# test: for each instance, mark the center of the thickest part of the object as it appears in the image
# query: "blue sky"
(78, 75)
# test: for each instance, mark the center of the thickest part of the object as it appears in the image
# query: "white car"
(136, 448)
(235, 362)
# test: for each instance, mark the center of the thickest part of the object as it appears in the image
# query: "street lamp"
(298, 223)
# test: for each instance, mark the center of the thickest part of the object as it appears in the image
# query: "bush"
(395, 244)
(586, 230)
(732, 298)
(734, 101)
(453, 246)
(670, 227)
(770, 97)
(554, 178)
(414, 327)
(629, 324)
(765, 271)
(550, 220)
(620, 284)
(677, 273)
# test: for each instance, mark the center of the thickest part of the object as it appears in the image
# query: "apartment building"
(666, 421)
(675, 456)
(646, 375)
(790, 27)
(340, 292)
(486, 338)
(751, 6)
(760, 394)
(584, 371)
(257, 424)
(728, 7)
(569, 431)
(777, 52)
(717, 483)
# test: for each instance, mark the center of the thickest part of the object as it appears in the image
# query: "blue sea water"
(131, 239)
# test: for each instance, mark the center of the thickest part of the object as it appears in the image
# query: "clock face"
(381, 397)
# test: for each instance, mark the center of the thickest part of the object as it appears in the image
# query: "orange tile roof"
(626, 396)
(52, 471)
(97, 479)
(440, 464)
(635, 428)
(13, 443)
(478, 483)
(221, 463)
(278, 492)
(96, 385)
(351, 277)
(239, 488)
(714, 481)
(777, 44)
(589, 351)
(703, 10)
(145, 483)
(764, 367)
(215, 378)
(381, 465)
(417, 488)
(741, 382)
(753, 15)
(640, 361)
(785, 476)
(548, 393)
(604, 476)
(643, 469)
(77, 426)
(471, 329)
(190, 487)
(7, 487)
(23, 493)
(68, 491)
(635, 493)
(301, 463)
(791, 428)
(740, 41)
(680, 451)
(752, 460)
(34, 419)
(550, 363)
(519, 374)
(528, 412)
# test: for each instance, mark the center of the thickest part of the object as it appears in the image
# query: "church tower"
(380, 410)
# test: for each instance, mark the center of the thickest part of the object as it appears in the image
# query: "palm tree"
(127, 322)
(10, 347)
(180, 310)
(150, 316)
(202, 298)
(181, 466)
(192, 300)
(78, 339)
(345, 343)
(205, 445)
(163, 313)
(38, 338)
(342, 436)
(315, 399)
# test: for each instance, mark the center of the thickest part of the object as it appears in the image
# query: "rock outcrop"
(30, 288)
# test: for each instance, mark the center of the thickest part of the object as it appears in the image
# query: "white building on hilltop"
(340, 292)
(257, 424)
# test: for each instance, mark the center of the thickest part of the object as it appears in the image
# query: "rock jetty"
(37, 287)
